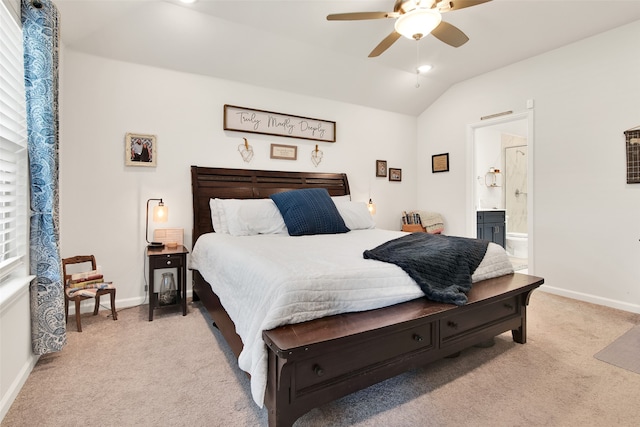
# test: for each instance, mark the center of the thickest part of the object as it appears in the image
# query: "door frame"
(472, 173)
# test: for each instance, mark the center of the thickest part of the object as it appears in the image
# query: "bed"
(313, 359)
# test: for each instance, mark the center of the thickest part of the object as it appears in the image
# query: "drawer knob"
(168, 262)
(417, 338)
(318, 370)
(452, 324)
(508, 306)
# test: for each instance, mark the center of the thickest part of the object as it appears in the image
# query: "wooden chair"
(80, 295)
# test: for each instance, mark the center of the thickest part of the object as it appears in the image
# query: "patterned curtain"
(40, 33)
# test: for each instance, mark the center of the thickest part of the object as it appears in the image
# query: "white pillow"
(356, 215)
(252, 216)
(218, 217)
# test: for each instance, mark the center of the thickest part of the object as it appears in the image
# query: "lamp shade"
(160, 213)
(372, 207)
(418, 23)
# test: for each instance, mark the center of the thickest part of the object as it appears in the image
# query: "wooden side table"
(168, 258)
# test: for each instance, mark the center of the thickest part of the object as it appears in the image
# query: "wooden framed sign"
(268, 123)
(395, 174)
(381, 168)
(284, 152)
(440, 163)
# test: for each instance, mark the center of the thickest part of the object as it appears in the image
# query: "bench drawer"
(472, 320)
(356, 358)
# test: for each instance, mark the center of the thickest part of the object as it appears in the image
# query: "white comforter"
(266, 281)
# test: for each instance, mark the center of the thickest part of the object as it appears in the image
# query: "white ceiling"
(289, 45)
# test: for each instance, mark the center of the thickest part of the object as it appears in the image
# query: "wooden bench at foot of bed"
(316, 362)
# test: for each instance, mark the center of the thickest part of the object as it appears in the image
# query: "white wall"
(102, 202)
(587, 219)
(488, 155)
(16, 357)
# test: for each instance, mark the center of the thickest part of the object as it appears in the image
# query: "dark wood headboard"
(209, 183)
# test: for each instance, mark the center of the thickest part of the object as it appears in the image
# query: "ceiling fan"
(414, 20)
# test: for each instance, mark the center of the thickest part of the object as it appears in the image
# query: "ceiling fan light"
(417, 23)
(423, 69)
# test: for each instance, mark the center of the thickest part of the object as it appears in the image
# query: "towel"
(432, 222)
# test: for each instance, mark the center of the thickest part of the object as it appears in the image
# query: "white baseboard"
(620, 305)
(16, 356)
(105, 304)
(16, 386)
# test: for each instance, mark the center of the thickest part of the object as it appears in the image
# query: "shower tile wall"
(515, 182)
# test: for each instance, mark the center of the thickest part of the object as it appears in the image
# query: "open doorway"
(500, 153)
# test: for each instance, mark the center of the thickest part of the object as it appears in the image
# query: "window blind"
(13, 144)
(13, 6)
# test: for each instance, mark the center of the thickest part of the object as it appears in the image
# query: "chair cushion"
(89, 291)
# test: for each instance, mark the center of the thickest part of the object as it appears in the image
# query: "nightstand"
(163, 258)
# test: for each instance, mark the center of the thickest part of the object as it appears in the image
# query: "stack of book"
(412, 217)
(411, 222)
(429, 222)
(87, 280)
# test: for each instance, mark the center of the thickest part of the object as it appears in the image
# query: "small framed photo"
(395, 174)
(140, 150)
(440, 163)
(284, 152)
(381, 168)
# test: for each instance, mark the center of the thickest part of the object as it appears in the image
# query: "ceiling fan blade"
(461, 4)
(450, 34)
(357, 16)
(385, 44)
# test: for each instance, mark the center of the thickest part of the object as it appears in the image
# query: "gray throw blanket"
(441, 265)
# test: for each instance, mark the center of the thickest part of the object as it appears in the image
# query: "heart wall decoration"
(316, 156)
(246, 151)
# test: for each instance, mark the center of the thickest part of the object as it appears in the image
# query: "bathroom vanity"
(491, 225)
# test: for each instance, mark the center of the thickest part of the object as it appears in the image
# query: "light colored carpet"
(624, 352)
(176, 371)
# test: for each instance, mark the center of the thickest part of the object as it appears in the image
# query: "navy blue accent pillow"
(309, 211)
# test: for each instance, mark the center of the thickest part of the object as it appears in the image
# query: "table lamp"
(160, 214)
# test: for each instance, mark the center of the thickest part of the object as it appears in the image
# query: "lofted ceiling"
(290, 46)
